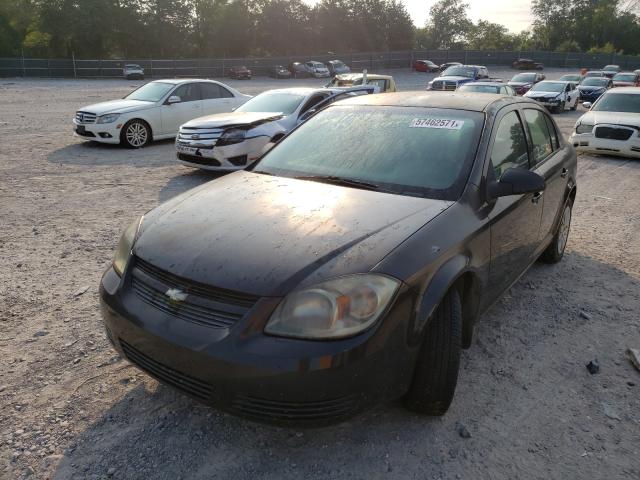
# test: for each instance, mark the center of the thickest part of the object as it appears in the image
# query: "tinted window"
(312, 102)
(151, 92)
(509, 146)
(555, 143)
(188, 93)
(540, 138)
(210, 91)
(412, 151)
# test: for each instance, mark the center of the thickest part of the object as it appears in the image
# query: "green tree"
(448, 25)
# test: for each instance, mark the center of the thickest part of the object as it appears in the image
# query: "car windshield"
(618, 102)
(279, 102)
(548, 87)
(337, 63)
(405, 150)
(132, 66)
(524, 77)
(625, 77)
(460, 71)
(611, 67)
(151, 92)
(595, 82)
(570, 78)
(479, 88)
(594, 74)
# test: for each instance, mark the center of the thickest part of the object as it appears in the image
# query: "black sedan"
(334, 274)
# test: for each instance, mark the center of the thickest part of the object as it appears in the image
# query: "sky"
(513, 14)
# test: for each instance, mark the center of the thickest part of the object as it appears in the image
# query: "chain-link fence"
(219, 67)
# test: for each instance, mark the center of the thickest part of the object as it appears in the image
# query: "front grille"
(86, 133)
(85, 117)
(635, 149)
(614, 133)
(187, 134)
(212, 162)
(179, 380)
(444, 85)
(203, 305)
(263, 409)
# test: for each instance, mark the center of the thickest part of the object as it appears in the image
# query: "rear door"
(217, 99)
(515, 219)
(188, 108)
(548, 159)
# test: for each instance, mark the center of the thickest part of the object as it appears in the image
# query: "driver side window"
(188, 93)
(509, 145)
(312, 102)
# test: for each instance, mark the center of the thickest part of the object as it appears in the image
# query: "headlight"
(333, 309)
(109, 118)
(125, 246)
(234, 135)
(584, 128)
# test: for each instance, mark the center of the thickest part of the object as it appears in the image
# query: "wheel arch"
(458, 274)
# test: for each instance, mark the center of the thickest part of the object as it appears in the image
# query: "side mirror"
(174, 99)
(587, 105)
(516, 181)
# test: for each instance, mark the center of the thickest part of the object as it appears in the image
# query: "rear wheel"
(436, 374)
(555, 250)
(135, 134)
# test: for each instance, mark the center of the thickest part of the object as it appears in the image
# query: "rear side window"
(540, 137)
(212, 91)
(509, 146)
(555, 143)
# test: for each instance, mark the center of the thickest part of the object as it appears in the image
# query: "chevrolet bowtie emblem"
(176, 295)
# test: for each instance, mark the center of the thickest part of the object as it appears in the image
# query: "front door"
(515, 219)
(188, 108)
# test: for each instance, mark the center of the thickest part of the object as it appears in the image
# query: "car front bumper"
(98, 132)
(589, 143)
(589, 97)
(269, 379)
(221, 158)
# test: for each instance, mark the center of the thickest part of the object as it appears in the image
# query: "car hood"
(590, 88)
(232, 119)
(614, 118)
(266, 235)
(542, 94)
(453, 78)
(116, 106)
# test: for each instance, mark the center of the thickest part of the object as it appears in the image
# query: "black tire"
(135, 134)
(555, 251)
(436, 374)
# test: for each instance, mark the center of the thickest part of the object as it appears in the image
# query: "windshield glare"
(281, 102)
(412, 151)
(595, 82)
(618, 102)
(457, 71)
(524, 77)
(151, 92)
(548, 87)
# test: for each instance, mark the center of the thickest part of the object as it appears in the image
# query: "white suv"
(154, 111)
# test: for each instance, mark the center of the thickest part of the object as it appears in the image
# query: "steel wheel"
(136, 134)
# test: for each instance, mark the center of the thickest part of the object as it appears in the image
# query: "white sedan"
(612, 125)
(556, 95)
(154, 111)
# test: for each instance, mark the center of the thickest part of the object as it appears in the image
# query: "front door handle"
(564, 173)
(536, 197)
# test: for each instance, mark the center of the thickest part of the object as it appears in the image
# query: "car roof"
(490, 84)
(177, 81)
(452, 100)
(370, 76)
(634, 90)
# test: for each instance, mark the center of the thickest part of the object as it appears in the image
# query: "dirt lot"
(69, 408)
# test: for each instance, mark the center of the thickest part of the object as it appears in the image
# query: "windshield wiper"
(345, 182)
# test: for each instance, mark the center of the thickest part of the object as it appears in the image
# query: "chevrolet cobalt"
(349, 264)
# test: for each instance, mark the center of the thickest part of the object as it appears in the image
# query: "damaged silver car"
(231, 141)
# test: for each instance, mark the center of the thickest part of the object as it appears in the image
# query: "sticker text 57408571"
(437, 123)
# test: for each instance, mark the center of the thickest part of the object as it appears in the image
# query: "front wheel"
(555, 250)
(436, 374)
(135, 134)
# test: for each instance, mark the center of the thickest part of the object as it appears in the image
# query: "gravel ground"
(69, 408)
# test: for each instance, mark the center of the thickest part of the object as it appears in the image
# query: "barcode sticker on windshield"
(437, 123)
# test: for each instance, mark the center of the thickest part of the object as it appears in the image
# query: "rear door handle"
(564, 173)
(536, 197)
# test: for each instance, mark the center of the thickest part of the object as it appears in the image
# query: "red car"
(626, 79)
(425, 66)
